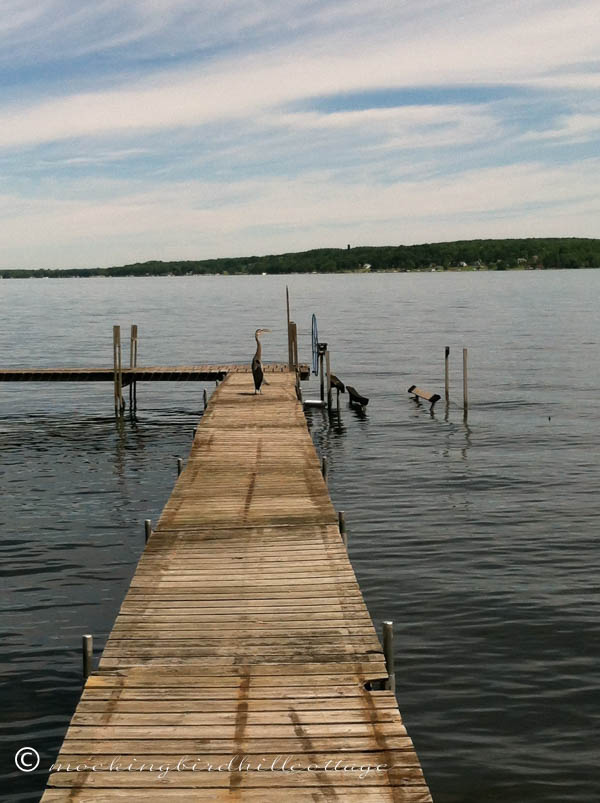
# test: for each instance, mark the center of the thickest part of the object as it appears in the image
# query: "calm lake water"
(479, 539)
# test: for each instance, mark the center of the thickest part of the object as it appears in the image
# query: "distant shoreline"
(389, 271)
(572, 253)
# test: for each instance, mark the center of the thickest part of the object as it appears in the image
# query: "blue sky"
(171, 129)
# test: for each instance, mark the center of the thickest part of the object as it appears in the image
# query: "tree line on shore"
(532, 253)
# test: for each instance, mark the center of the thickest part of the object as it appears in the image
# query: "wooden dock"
(239, 664)
(156, 373)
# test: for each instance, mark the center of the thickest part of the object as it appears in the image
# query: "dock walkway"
(236, 668)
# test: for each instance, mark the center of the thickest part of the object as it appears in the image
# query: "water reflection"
(336, 422)
(467, 432)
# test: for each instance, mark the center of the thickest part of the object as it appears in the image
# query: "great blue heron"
(257, 369)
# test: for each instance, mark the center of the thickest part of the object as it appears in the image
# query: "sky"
(169, 129)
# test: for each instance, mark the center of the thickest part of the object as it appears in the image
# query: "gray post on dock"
(133, 351)
(328, 370)
(465, 382)
(447, 374)
(148, 529)
(388, 654)
(179, 465)
(118, 370)
(87, 652)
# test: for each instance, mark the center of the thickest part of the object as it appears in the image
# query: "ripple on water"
(478, 537)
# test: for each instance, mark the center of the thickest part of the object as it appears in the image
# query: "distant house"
(462, 264)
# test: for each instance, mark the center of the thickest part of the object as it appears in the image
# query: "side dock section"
(239, 665)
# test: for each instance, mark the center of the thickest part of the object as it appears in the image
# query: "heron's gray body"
(257, 367)
(258, 374)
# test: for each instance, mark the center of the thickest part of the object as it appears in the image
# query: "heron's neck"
(258, 354)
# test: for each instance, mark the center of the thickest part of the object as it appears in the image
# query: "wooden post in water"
(388, 653)
(465, 383)
(342, 526)
(447, 373)
(289, 333)
(133, 348)
(205, 395)
(324, 468)
(118, 370)
(294, 343)
(321, 373)
(147, 529)
(328, 369)
(179, 465)
(87, 651)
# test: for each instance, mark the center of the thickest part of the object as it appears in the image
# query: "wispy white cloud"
(273, 114)
(518, 50)
(195, 219)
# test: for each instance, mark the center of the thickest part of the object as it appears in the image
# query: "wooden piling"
(133, 349)
(447, 374)
(118, 371)
(87, 652)
(290, 343)
(465, 382)
(148, 528)
(205, 397)
(324, 468)
(179, 465)
(293, 334)
(321, 374)
(328, 372)
(388, 654)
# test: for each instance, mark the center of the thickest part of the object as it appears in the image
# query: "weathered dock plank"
(239, 665)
